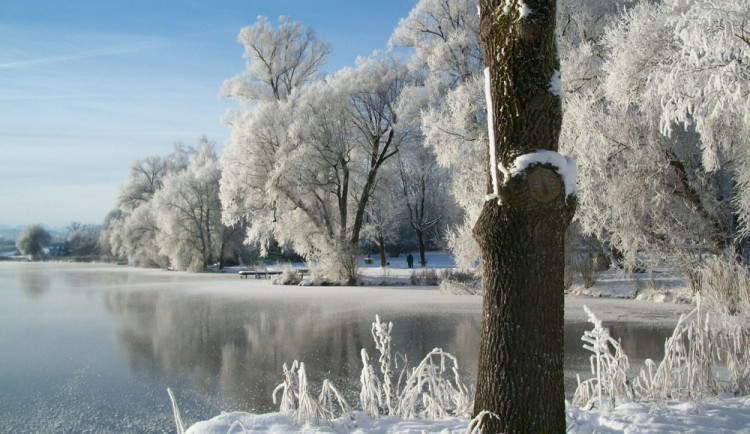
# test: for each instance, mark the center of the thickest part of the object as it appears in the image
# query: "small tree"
(32, 239)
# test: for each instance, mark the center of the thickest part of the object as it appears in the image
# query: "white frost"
(491, 130)
(566, 166)
(523, 10)
(555, 85)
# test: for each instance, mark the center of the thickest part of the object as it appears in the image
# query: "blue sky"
(87, 87)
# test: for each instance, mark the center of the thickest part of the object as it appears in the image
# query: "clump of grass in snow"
(609, 364)
(425, 277)
(431, 390)
(707, 354)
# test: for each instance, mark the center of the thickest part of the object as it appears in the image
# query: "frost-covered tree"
(32, 239)
(134, 237)
(83, 240)
(111, 221)
(169, 212)
(307, 167)
(521, 230)
(659, 134)
(423, 187)
(385, 219)
(188, 210)
(448, 105)
(278, 61)
(133, 234)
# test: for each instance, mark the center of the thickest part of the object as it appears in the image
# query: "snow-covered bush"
(609, 364)
(290, 276)
(707, 354)
(708, 351)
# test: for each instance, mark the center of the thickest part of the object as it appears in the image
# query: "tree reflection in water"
(235, 347)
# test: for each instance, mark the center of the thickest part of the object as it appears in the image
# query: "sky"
(89, 86)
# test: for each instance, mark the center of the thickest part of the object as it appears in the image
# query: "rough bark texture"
(520, 375)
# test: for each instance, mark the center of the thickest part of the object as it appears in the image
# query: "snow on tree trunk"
(521, 232)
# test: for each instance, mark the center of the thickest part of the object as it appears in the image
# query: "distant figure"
(410, 260)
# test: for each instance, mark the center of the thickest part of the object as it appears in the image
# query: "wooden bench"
(258, 274)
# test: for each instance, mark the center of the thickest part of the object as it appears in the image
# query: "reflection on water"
(32, 283)
(95, 348)
(237, 348)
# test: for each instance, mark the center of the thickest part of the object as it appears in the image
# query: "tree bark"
(420, 243)
(381, 248)
(522, 233)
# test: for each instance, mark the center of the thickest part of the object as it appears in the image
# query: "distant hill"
(10, 233)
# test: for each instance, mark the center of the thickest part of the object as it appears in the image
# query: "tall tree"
(521, 230)
(448, 105)
(310, 164)
(189, 213)
(423, 187)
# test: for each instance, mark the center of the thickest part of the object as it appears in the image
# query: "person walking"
(410, 260)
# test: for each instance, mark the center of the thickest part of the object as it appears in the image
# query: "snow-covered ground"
(655, 293)
(715, 415)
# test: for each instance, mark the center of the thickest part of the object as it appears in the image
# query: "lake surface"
(92, 348)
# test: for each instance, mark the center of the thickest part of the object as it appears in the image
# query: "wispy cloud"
(100, 52)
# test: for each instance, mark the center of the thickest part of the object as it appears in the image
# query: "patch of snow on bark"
(565, 165)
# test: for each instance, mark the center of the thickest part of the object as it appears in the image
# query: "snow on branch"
(555, 85)
(523, 10)
(491, 131)
(565, 165)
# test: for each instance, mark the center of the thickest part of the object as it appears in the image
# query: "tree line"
(655, 113)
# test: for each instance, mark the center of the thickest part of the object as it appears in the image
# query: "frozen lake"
(92, 348)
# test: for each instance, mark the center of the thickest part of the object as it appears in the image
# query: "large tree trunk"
(521, 233)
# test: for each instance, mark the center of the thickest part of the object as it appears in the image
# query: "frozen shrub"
(432, 390)
(290, 276)
(585, 257)
(370, 397)
(425, 277)
(707, 354)
(725, 286)
(609, 364)
(296, 399)
(460, 282)
(587, 266)
(468, 277)
(437, 382)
